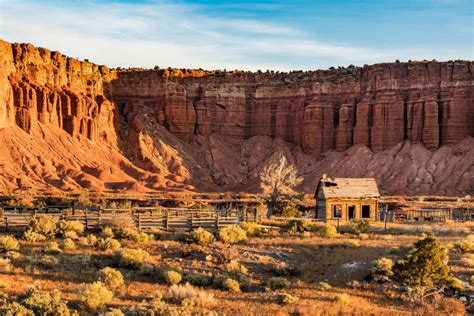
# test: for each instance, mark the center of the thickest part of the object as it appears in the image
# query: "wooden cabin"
(346, 199)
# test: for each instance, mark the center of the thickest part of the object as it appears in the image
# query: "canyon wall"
(377, 106)
(73, 125)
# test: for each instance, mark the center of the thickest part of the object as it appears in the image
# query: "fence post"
(167, 219)
(217, 220)
(99, 218)
(6, 223)
(337, 225)
(139, 222)
(86, 219)
(192, 220)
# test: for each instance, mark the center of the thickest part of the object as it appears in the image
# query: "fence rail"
(144, 219)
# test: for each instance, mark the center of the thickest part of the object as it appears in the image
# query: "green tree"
(425, 268)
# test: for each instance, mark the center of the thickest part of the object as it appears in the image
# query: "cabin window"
(365, 211)
(337, 211)
(351, 212)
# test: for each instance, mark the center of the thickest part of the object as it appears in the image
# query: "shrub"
(65, 227)
(8, 243)
(299, 225)
(235, 266)
(285, 298)
(202, 236)
(251, 228)
(114, 312)
(119, 222)
(13, 309)
(359, 226)
(179, 292)
(108, 244)
(364, 236)
(383, 267)
(342, 298)
(43, 303)
(173, 277)
(49, 262)
(107, 232)
(136, 236)
(231, 285)
(45, 225)
(95, 295)
(133, 258)
(198, 279)
(468, 260)
(32, 236)
(52, 247)
(68, 244)
(89, 240)
(70, 234)
(425, 267)
(146, 269)
(328, 231)
(467, 244)
(111, 278)
(323, 286)
(232, 234)
(277, 283)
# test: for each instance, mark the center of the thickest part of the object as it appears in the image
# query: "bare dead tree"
(281, 176)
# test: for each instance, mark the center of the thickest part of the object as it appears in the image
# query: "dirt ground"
(305, 260)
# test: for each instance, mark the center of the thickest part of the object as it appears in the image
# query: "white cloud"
(177, 35)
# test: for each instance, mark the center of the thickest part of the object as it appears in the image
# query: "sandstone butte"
(69, 125)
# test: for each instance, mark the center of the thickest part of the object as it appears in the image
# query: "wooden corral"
(346, 199)
(144, 219)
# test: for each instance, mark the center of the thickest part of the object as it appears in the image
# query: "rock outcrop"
(72, 125)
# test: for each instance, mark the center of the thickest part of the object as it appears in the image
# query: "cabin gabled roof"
(348, 188)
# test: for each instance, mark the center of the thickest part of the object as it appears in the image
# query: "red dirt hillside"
(72, 125)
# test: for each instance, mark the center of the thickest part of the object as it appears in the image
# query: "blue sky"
(280, 35)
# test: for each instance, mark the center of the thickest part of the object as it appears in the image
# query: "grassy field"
(308, 263)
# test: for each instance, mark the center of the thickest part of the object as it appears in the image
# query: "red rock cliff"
(72, 125)
(378, 106)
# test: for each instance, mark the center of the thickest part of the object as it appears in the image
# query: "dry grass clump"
(251, 228)
(89, 240)
(299, 225)
(202, 236)
(68, 244)
(70, 228)
(179, 292)
(286, 299)
(52, 247)
(232, 234)
(231, 285)
(48, 262)
(328, 231)
(468, 260)
(364, 236)
(5, 264)
(359, 226)
(352, 243)
(136, 236)
(95, 295)
(323, 286)
(107, 232)
(235, 266)
(467, 244)
(133, 258)
(277, 283)
(111, 278)
(108, 244)
(172, 277)
(119, 222)
(114, 312)
(44, 303)
(32, 236)
(204, 299)
(342, 298)
(8, 243)
(383, 267)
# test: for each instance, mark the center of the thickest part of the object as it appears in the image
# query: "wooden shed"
(346, 199)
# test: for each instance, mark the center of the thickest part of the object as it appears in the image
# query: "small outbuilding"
(346, 199)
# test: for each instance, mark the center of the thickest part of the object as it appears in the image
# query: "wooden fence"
(144, 219)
